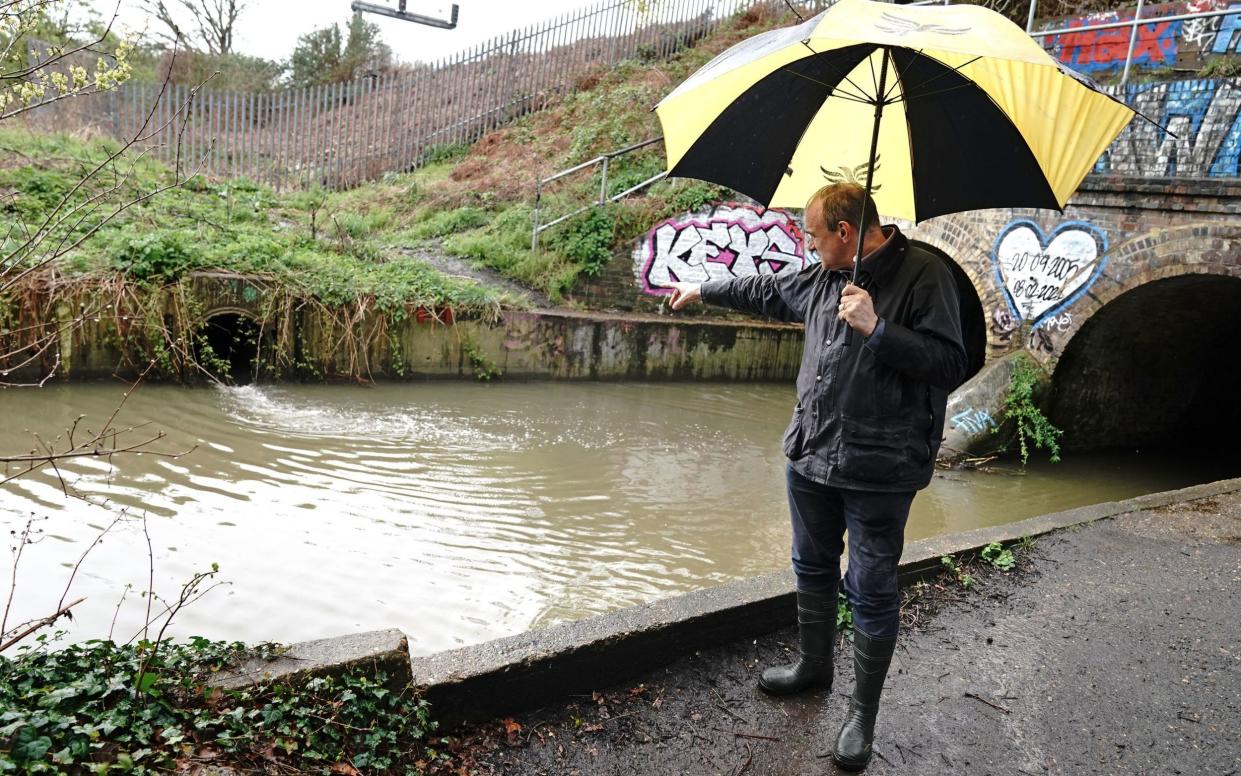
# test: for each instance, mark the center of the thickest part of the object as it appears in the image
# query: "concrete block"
(374, 651)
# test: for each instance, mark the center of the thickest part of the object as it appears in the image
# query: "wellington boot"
(871, 658)
(816, 625)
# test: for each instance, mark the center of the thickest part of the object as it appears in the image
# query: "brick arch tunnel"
(973, 319)
(1155, 369)
(227, 346)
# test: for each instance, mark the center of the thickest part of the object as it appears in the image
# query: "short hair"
(843, 202)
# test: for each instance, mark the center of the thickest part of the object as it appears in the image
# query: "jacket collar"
(878, 266)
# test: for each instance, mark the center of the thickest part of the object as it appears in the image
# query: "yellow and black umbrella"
(974, 113)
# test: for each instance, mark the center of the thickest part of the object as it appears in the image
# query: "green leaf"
(145, 682)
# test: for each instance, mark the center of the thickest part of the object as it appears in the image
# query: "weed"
(159, 256)
(1019, 406)
(957, 572)
(587, 240)
(694, 196)
(484, 368)
(1221, 67)
(444, 153)
(1000, 557)
(447, 222)
(844, 613)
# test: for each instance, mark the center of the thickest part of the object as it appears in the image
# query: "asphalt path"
(1114, 648)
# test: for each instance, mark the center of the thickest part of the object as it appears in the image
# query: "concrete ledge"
(384, 650)
(538, 667)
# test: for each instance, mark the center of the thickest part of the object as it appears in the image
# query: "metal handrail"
(537, 227)
(1137, 20)
(1134, 22)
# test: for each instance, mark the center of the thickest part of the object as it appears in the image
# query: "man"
(879, 360)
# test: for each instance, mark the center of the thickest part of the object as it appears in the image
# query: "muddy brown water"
(458, 512)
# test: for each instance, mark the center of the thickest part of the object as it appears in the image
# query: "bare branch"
(46, 621)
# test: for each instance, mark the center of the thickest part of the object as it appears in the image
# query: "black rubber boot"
(871, 658)
(816, 625)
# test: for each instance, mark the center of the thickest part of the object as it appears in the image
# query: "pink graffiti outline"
(649, 242)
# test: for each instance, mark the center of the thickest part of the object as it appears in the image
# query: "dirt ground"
(1113, 648)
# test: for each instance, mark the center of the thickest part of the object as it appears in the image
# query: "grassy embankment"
(346, 254)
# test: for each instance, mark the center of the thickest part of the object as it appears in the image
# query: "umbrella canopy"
(974, 113)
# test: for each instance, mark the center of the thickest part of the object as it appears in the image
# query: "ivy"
(103, 707)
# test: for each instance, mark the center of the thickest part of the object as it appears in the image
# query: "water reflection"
(457, 512)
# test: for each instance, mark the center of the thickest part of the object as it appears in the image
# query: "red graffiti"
(1093, 49)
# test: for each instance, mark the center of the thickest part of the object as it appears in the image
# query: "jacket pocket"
(875, 449)
(795, 436)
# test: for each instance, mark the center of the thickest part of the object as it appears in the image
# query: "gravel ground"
(1113, 648)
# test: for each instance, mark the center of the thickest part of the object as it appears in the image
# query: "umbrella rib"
(835, 91)
(946, 89)
(843, 74)
(941, 74)
(897, 85)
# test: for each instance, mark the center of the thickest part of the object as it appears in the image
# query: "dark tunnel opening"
(227, 346)
(1156, 370)
(973, 319)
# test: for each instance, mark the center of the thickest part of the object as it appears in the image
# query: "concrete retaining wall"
(546, 344)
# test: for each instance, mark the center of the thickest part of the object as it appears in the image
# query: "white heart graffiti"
(1041, 275)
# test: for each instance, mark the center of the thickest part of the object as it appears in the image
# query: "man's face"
(831, 243)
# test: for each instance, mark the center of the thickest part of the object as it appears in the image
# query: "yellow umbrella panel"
(974, 113)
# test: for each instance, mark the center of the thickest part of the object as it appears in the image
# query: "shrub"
(1031, 424)
(162, 255)
(587, 239)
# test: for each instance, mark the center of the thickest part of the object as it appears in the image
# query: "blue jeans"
(876, 527)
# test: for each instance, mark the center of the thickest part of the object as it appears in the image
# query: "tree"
(213, 22)
(330, 55)
(90, 194)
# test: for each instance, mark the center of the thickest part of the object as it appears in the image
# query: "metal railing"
(1133, 23)
(343, 134)
(537, 228)
(339, 135)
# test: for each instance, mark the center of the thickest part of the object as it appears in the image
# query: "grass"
(236, 226)
(474, 201)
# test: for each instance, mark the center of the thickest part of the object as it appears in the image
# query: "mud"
(1114, 648)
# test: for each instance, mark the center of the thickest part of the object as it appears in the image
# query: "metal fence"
(343, 134)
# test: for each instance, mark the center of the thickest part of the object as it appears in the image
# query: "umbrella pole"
(870, 168)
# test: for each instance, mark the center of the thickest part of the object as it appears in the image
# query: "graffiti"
(1159, 43)
(972, 420)
(1003, 324)
(1057, 323)
(1042, 275)
(1226, 38)
(1091, 51)
(1203, 138)
(728, 240)
(1041, 341)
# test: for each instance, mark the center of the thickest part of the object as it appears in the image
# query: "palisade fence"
(344, 134)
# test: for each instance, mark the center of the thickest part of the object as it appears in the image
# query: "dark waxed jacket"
(870, 411)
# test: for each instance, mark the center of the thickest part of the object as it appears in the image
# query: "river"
(458, 512)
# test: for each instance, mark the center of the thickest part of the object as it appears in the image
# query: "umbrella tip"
(788, 171)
